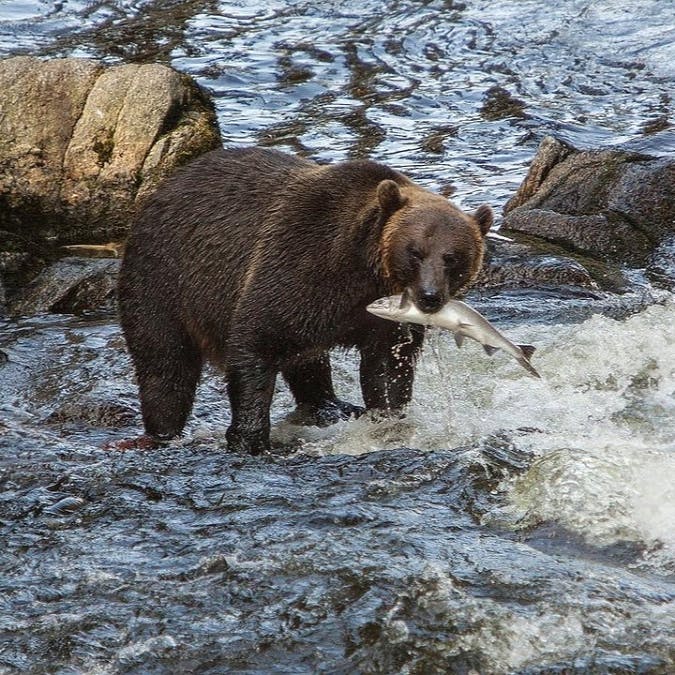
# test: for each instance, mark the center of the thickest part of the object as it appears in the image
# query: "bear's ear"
(389, 196)
(484, 218)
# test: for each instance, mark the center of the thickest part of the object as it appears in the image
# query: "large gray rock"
(612, 205)
(80, 143)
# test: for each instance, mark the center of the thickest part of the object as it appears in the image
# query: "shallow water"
(505, 525)
(530, 532)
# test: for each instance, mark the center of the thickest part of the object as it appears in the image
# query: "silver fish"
(458, 317)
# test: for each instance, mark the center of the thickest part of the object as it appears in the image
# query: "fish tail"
(527, 350)
(529, 367)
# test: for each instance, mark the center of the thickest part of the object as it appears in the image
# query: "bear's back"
(224, 186)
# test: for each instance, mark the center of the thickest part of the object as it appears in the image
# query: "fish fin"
(459, 339)
(405, 300)
(527, 350)
(490, 350)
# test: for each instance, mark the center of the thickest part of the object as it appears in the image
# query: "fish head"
(391, 307)
(436, 251)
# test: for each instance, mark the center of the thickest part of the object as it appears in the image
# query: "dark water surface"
(505, 526)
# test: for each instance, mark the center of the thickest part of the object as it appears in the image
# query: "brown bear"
(261, 262)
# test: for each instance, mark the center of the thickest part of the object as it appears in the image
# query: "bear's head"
(429, 248)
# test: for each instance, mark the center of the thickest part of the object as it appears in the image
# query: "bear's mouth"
(429, 302)
(428, 308)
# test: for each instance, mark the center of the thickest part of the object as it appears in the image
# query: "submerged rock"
(498, 103)
(71, 285)
(611, 205)
(515, 265)
(94, 411)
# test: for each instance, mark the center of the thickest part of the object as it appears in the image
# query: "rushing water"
(505, 525)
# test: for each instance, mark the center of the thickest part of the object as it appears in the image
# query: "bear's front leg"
(250, 385)
(387, 368)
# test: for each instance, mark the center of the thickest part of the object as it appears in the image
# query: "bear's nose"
(429, 300)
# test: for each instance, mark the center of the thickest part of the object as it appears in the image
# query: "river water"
(506, 525)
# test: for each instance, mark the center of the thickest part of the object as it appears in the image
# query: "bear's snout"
(430, 291)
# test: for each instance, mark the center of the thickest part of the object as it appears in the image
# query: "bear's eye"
(450, 260)
(415, 254)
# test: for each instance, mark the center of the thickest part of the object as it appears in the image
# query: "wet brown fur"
(262, 262)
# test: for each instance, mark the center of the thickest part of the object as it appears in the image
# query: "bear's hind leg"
(310, 381)
(250, 386)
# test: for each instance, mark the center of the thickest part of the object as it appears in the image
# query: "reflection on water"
(406, 82)
(528, 526)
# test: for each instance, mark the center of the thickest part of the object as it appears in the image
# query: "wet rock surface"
(70, 285)
(510, 264)
(607, 204)
(325, 564)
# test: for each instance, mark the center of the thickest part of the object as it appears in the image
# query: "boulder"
(81, 143)
(612, 205)
(516, 265)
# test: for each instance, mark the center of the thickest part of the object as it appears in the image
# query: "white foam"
(600, 422)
